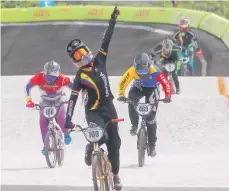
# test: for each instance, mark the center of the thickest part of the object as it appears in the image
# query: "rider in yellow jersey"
(146, 81)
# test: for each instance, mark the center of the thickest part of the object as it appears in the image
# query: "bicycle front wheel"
(98, 173)
(142, 143)
(51, 149)
(60, 153)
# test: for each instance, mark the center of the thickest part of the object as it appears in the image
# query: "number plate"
(143, 108)
(94, 134)
(170, 67)
(49, 112)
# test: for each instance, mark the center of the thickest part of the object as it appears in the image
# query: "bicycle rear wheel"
(50, 139)
(141, 147)
(98, 173)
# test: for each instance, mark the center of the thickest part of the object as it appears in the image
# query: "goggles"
(50, 79)
(82, 57)
(142, 70)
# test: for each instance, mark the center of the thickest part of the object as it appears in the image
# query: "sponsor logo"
(96, 12)
(41, 13)
(70, 108)
(166, 82)
(124, 81)
(105, 83)
(143, 13)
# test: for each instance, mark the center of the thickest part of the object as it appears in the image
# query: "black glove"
(167, 100)
(115, 13)
(69, 124)
(122, 99)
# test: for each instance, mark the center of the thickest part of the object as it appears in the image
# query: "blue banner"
(49, 3)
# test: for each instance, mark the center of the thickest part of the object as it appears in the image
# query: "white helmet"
(51, 72)
(167, 46)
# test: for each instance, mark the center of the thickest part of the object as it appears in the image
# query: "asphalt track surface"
(69, 188)
(25, 49)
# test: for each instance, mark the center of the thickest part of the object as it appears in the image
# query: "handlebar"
(38, 107)
(106, 125)
(129, 101)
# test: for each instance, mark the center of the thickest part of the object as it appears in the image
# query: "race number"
(94, 134)
(143, 109)
(170, 67)
(49, 112)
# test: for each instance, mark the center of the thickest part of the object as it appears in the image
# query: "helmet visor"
(50, 79)
(82, 57)
(142, 69)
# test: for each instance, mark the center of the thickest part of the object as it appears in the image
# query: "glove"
(198, 53)
(167, 99)
(30, 104)
(115, 13)
(69, 124)
(122, 98)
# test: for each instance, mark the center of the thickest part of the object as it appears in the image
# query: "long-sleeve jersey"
(173, 57)
(94, 82)
(186, 38)
(155, 77)
(48, 92)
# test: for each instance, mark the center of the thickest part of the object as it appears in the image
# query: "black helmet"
(142, 63)
(84, 57)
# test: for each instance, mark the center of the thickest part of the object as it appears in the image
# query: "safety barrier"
(208, 22)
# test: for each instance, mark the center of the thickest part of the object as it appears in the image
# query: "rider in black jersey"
(168, 54)
(99, 108)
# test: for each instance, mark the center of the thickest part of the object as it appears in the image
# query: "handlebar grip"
(117, 120)
(160, 100)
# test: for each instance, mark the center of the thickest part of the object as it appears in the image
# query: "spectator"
(174, 3)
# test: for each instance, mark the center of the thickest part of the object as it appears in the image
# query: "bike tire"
(97, 167)
(141, 147)
(53, 137)
(60, 153)
(108, 180)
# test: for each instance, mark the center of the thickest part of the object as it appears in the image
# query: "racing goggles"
(50, 79)
(82, 57)
(142, 70)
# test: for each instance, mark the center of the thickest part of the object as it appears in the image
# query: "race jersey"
(173, 57)
(186, 38)
(93, 80)
(154, 78)
(48, 92)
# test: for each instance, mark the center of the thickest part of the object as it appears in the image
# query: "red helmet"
(184, 25)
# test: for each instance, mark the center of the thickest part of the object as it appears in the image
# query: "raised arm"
(108, 35)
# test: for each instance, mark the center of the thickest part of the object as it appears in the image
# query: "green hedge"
(220, 8)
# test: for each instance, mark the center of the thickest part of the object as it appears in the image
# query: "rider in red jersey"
(51, 83)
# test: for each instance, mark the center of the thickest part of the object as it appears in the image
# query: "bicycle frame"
(97, 151)
(53, 126)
